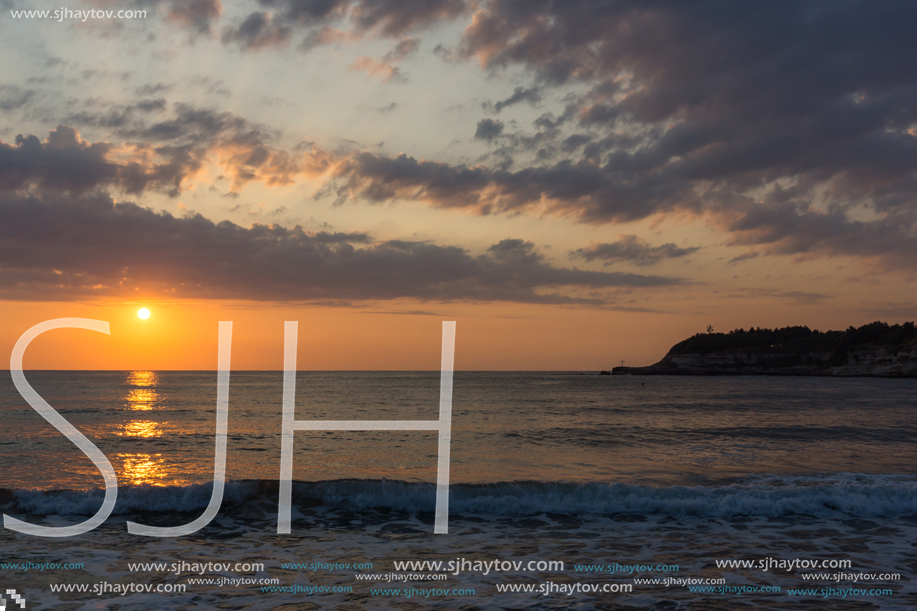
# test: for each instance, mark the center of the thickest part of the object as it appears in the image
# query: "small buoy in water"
(642, 383)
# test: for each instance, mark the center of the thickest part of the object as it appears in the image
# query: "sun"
(143, 313)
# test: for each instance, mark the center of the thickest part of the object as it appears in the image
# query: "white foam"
(766, 496)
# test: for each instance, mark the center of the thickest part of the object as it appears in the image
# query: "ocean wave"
(858, 495)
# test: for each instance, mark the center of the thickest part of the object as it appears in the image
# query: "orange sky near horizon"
(183, 336)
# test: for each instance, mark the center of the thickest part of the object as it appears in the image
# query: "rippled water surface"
(157, 427)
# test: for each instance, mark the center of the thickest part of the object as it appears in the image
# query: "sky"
(574, 183)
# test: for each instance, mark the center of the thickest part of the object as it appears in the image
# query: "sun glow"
(143, 313)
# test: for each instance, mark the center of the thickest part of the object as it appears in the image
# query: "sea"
(568, 490)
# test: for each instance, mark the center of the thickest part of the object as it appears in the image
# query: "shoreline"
(650, 370)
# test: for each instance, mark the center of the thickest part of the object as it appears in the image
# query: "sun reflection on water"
(142, 378)
(140, 428)
(143, 468)
(143, 395)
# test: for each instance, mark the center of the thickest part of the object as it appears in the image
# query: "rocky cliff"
(877, 350)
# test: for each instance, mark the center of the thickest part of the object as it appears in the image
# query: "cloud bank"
(64, 247)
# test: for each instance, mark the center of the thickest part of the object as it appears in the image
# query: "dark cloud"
(65, 162)
(157, 105)
(548, 121)
(581, 190)
(520, 94)
(193, 124)
(573, 142)
(13, 97)
(153, 89)
(397, 17)
(699, 47)
(488, 129)
(325, 22)
(117, 116)
(632, 249)
(793, 229)
(743, 257)
(58, 248)
(258, 31)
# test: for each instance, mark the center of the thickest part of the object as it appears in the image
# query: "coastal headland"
(874, 350)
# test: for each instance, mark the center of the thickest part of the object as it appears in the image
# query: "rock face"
(876, 350)
(880, 362)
